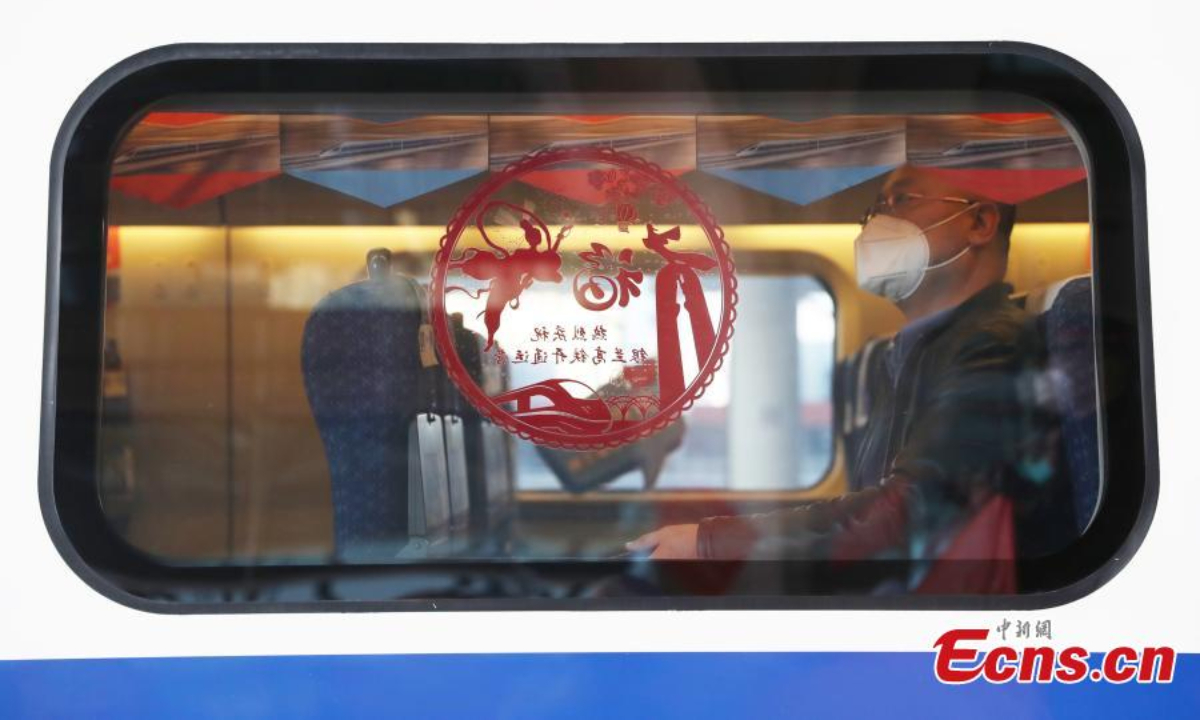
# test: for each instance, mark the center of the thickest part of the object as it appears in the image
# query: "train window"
(719, 450)
(596, 330)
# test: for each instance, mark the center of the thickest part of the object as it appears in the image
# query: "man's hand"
(673, 542)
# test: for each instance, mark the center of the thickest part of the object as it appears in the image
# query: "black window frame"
(75, 304)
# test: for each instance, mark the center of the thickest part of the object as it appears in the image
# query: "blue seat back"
(361, 370)
(1069, 340)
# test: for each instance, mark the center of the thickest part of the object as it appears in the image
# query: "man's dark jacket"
(946, 431)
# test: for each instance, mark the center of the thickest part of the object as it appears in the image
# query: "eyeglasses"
(889, 204)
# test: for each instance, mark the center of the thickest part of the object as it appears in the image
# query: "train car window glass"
(786, 442)
(713, 327)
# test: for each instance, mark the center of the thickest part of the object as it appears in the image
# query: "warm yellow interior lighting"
(1041, 252)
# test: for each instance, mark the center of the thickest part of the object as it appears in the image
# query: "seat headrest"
(1043, 299)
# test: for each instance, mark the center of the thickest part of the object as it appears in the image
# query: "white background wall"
(49, 52)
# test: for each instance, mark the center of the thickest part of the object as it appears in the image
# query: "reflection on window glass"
(766, 422)
(317, 349)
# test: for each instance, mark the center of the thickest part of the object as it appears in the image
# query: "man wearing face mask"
(944, 428)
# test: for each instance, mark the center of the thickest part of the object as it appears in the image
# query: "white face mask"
(891, 255)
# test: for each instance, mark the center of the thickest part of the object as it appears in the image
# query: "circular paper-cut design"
(608, 319)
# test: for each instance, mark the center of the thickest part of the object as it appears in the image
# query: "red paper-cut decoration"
(608, 382)
(600, 290)
(511, 273)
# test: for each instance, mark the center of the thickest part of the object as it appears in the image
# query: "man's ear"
(984, 223)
